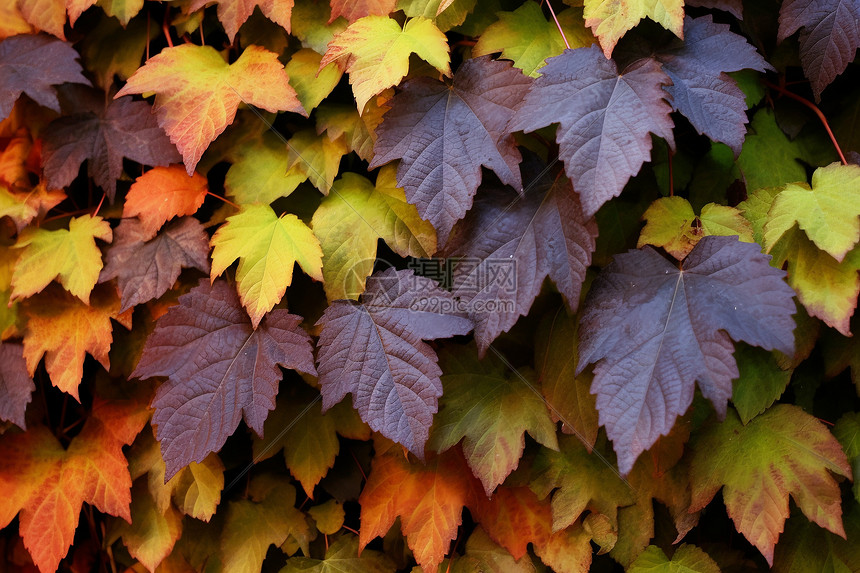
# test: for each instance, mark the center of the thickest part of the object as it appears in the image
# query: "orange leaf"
(163, 193)
(48, 484)
(429, 500)
(47, 15)
(514, 518)
(233, 13)
(63, 329)
(352, 10)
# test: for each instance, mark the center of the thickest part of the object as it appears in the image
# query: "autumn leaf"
(784, 451)
(350, 221)
(828, 211)
(375, 51)
(16, 384)
(234, 376)
(308, 437)
(146, 268)
(69, 255)
(32, 64)
(768, 158)
(63, 330)
(428, 499)
(483, 554)
(354, 10)
(161, 194)
(489, 407)
(761, 381)
(315, 157)
(267, 246)
(687, 559)
(234, 13)
(343, 555)
(847, 431)
(701, 88)
(103, 137)
(48, 484)
(526, 37)
(151, 535)
(513, 518)
(660, 329)
(604, 138)
(258, 173)
(610, 20)
(25, 207)
(829, 36)
(312, 83)
(375, 350)
(328, 516)
(463, 127)
(198, 93)
(510, 245)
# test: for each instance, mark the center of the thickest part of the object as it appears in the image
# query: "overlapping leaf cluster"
(333, 262)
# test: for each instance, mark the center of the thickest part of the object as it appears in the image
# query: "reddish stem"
(557, 25)
(165, 28)
(815, 109)
(222, 199)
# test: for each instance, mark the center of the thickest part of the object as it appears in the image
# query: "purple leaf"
(16, 385)
(509, 245)
(373, 349)
(219, 370)
(605, 118)
(443, 134)
(700, 88)
(124, 128)
(733, 7)
(145, 270)
(829, 37)
(31, 64)
(654, 330)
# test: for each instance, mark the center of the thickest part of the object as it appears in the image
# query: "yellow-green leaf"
(69, 255)
(375, 51)
(611, 19)
(311, 82)
(259, 171)
(329, 516)
(315, 157)
(267, 247)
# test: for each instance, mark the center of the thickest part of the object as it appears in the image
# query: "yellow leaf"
(611, 19)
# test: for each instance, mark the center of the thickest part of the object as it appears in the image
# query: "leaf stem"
(815, 109)
(223, 199)
(165, 28)
(557, 25)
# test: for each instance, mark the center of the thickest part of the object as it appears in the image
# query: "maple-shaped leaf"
(490, 407)
(268, 247)
(220, 370)
(513, 518)
(375, 51)
(567, 394)
(122, 129)
(194, 491)
(611, 19)
(349, 222)
(312, 83)
(760, 383)
(806, 547)
(198, 93)
(69, 255)
(510, 245)
(828, 211)
(847, 431)
(353, 10)
(656, 330)
(316, 157)
(686, 559)
(829, 36)
(343, 556)
(233, 13)
(16, 384)
(428, 499)
(701, 88)
(161, 194)
(581, 480)
(375, 350)
(672, 225)
(463, 127)
(48, 484)
(528, 38)
(307, 436)
(32, 64)
(605, 118)
(63, 330)
(446, 14)
(24, 207)
(151, 535)
(269, 517)
(483, 554)
(769, 158)
(146, 269)
(257, 174)
(784, 451)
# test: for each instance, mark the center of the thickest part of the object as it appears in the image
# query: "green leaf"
(768, 158)
(847, 431)
(492, 407)
(445, 13)
(784, 451)
(687, 559)
(761, 381)
(267, 247)
(528, 38)
(329, 516)
(805, 547)
(829, 211)
(259, 171)
(353, 217)
(316, 157)
(311, 82)
(342, 557)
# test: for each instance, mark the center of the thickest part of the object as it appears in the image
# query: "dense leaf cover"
(429, 285)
